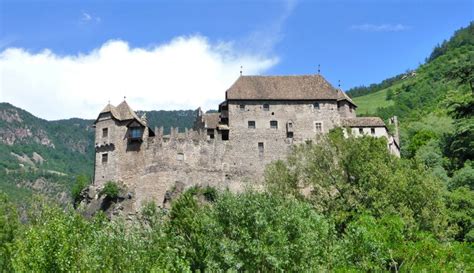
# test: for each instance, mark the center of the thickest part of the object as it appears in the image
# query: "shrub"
(81, 183)
(111, 190)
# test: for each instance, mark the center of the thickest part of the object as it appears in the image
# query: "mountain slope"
(420, 92)
(425, 99)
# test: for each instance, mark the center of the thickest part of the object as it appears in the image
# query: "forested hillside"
(434, 104)
(47, 157)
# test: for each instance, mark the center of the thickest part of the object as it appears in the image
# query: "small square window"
(105, 132)
(251, 124)
(266, 107)
(289, 134)
(372, 131)
(361, 131)
(274, 124)
(242, 107)
(105, 158)
(318, 126)
(316, 106)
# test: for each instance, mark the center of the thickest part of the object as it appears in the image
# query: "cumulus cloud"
(380, 28)
(184, 73)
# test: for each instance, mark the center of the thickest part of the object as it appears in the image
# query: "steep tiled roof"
(113, 111)
(343, 96)
(211, 120)
(306, 87)
(122, 112)
(125, 112)
(363, 122)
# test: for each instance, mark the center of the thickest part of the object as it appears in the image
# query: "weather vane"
(241, 67)
(319, 69)
(339, 83)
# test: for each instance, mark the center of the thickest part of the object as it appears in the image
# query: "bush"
(81, 183)
(111, 190)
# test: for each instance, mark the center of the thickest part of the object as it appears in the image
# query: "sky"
(63, 59)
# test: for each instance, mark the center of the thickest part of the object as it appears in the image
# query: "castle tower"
(119, 137)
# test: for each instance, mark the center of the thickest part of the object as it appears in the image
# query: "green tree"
(9, 225)
(343, 177)
(80, 184)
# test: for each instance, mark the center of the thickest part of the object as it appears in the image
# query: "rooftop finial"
(241, 67)
(319, 69)
(124, 97)
(339, 83)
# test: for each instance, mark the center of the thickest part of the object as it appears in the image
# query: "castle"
(259, 121)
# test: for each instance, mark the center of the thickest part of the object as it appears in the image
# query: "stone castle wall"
(158, 163)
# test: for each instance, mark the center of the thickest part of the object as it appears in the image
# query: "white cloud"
(380, 28)
(87, 17)
(184, 73)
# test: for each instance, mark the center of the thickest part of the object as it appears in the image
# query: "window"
(180, 157)
(289, 134)
(316, 106)
(105, 132)
(251, 124)
(274, 124)
(361, 131)
(135, 132)
(225, 135)
(210, 133)
(242, 107)
(260, 149)
(105, 158)
(266, 107)
(372, 131)
(318, 126)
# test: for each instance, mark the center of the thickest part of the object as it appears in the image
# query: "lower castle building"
(259, 121)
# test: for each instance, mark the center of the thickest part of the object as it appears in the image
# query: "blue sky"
(357, 42)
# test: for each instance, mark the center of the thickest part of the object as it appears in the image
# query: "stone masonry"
(259, 121)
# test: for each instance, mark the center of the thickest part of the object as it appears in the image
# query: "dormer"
(135, 131)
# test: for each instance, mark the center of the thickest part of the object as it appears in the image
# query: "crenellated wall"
(155, 164)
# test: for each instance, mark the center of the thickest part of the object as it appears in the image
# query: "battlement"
(258, 123)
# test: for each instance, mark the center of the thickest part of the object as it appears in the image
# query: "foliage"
(345, 177)
(81, 183)
(373, 88)
(9, 225)
(111, 190)
(460, 203)
(263, 233)
(463, 36)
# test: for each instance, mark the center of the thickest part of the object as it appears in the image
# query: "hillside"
(434, 104)
(422, 89)
(40, 156)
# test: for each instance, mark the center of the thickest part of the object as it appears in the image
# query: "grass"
(369, 103)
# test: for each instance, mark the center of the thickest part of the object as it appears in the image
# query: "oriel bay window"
(135, 133)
